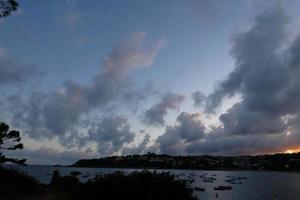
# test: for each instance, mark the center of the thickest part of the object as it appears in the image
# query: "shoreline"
(161, 169)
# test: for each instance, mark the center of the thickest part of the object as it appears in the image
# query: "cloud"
(198, 98)
(139, 149)
(110, 134)
(13, 71)
(239, 120)
(266, 76)
(176, 137)
(135, 96)
(260, 67)
(130, 54)
(243, 145)
(65, 111)
(199, 140)
(155, 115)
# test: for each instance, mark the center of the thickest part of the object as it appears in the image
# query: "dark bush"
(15, 182)
(66, 183)
(75, 173)
(136, 186)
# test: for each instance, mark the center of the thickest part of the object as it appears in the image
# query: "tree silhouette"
(7, 6)
(10, 140)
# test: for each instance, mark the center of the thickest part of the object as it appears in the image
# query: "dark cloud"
(155, 115)
(238, 120)
(110, 134)
(243, 145)
(188, 129)
(139, 149)
(266, 77)
(198, 98)
(260, 66)
(262, 77)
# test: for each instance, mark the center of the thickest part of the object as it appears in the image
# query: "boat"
(223, 187)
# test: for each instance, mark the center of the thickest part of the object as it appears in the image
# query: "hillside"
(280, 162)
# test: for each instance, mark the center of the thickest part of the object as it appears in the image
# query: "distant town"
(276, 162)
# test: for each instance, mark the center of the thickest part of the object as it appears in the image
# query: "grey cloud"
(155, 115)
(110, 134)
(198, 98)
(62, 112)
(188, 129)
(241, 145)
(135, 96)
(259, 66)
(13, 71)
(27, 114)
(238, 120)
(130, 54)
(215, 141)
(262, 77)
(139, 149)
(266, 76)
(62, 109)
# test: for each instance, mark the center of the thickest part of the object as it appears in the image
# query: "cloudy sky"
(87, 79)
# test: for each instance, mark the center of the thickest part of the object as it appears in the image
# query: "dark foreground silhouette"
(135, 186)
(14, 182)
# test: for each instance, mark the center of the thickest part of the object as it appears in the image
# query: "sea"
(246, 185)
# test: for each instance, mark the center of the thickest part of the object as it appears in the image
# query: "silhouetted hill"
(280, 162)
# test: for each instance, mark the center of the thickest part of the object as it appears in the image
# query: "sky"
(88, 79)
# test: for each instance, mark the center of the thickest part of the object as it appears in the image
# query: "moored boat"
(223, 187)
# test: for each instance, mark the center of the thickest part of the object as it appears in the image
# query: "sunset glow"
(290, 151)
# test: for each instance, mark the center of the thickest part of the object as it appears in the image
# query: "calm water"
(257, 186)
